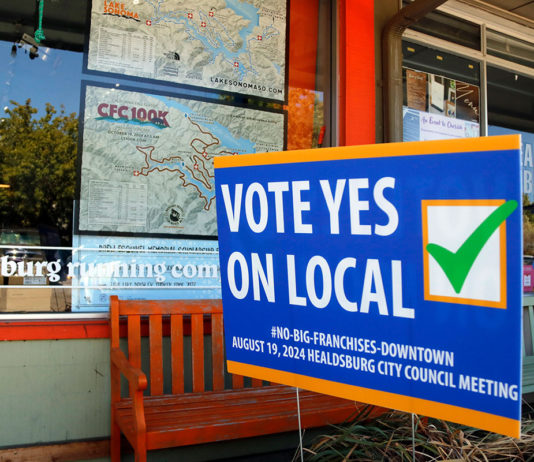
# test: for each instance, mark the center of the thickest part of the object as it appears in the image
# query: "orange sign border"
(415, 148)
(464, 416)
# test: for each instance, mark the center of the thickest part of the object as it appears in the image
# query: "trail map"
(229, 45)
(147, 159)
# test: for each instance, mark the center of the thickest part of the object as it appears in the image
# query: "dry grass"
(389, 438)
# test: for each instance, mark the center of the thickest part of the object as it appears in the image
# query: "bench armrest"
(137, 383)
(135, 376)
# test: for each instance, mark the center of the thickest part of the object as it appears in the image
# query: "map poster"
(147, 159)
(237, 46)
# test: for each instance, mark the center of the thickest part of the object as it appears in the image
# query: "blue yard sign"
(387, 274)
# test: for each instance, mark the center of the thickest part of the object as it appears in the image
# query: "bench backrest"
(199, 311)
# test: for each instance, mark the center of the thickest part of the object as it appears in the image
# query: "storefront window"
(109, 127)
(450, 28)
(510, 48)
(441, 95)
(510, 99)
(511, 111)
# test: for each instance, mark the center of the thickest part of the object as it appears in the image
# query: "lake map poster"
(237, 46)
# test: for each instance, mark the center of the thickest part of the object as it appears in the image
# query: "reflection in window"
(40, 166)
(510, 99)
(510, 48)
(441, 95)
(511, 111)
(440, 62)
(38, 140)
(450, 28)
(309, 75)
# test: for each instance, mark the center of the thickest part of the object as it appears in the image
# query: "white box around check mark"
(449, 223)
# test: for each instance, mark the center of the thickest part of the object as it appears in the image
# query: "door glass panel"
(511, 111)
(510, 48)
(450, 28)
(441, 95)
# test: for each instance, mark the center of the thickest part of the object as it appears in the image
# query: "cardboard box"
(24, 299)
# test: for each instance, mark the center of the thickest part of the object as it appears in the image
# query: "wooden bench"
(203, 415)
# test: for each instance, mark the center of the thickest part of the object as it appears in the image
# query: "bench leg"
(140, 456)
(140, 449)
(115, 442)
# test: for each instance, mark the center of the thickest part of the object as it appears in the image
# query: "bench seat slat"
(243, 397)
(272, 397)
(215, 418)
(242, 416)
(199, 416)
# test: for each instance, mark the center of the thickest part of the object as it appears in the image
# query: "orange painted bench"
(181, 418)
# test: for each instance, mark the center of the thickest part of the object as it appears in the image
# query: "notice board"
(387, 274)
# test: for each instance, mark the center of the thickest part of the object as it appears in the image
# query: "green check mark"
(456, 265)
